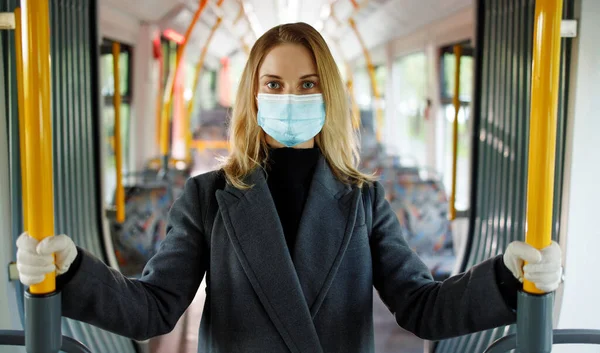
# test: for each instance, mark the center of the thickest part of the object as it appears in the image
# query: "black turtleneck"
(290, 173)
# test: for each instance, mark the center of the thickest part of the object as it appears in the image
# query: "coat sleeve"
(462, 304)
(153, 304)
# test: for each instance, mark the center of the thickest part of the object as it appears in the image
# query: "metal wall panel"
(501, 131)
(76, 115)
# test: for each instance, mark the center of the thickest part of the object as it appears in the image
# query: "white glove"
(35, 260)
(543, 268)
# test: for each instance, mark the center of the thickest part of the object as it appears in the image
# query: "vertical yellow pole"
(165, 116)
(170, 90)
(22, 108)
(38, 186)
(198, 70)
(543, 120)
(159, 94)
(456, 103)
(371, 68)
(120, 192)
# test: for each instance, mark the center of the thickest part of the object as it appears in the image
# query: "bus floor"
(389, 337)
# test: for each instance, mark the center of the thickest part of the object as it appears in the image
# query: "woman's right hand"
(35, 260)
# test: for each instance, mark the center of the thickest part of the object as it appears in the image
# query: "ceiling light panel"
(264, 16)
(310, 11)
(222, 44)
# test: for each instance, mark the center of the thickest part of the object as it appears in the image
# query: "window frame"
(467, 50)
(106, 49)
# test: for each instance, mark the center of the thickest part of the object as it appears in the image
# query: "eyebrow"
(279, 77)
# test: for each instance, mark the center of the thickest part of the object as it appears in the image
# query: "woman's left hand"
(543, 267)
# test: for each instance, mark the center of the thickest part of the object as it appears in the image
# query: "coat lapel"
(256, 233)
(325, 229)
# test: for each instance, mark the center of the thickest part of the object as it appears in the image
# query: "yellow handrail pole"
(542, 131)
(371, 69)
(159, 95)
(456, 103)
(240, 14)
(35, 41)
(170, 89)
(333, 16)
(120, 192)
(21, 102)
(357, 7)
(230, 25)
(192, 101)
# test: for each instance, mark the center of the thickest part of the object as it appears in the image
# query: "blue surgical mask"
(291, 119)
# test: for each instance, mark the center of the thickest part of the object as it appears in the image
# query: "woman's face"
(288, 69)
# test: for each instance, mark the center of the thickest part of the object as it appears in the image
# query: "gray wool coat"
(260, 298)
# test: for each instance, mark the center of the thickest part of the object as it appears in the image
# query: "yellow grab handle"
(456, 103)
(542, 131)
(120, 192)
(170, 90)
(37, 170)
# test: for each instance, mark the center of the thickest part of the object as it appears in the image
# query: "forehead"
(288, 60)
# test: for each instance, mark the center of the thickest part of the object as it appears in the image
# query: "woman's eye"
(308, 85)
(273, 85)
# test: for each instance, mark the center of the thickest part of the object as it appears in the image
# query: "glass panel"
(189, 74)
(108, 116)
(172, 55)
(208, 84)
(237, 64)
(381, 75)
(362, 89)
(166, 64)
(108, 84)
(466, 77)
(463, 157)
(205, 96)
(110, 181)
(463, 154)
(169, 52)
(405, 128)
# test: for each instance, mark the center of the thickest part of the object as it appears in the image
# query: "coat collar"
(291, 291)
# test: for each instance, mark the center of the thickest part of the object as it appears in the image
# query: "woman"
(291, 239)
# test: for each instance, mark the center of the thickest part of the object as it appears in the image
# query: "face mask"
(291, 119)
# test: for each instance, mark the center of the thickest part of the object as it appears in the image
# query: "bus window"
(108, 113)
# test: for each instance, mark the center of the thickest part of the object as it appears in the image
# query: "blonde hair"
(338, 141)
